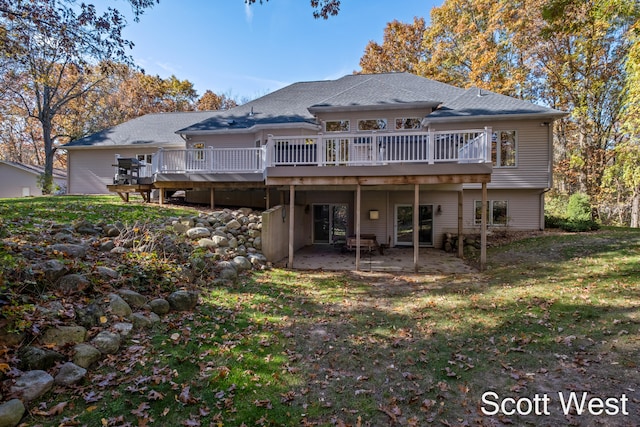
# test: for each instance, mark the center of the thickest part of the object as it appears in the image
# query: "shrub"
(552, 221)
(579, 207)
(579, 226)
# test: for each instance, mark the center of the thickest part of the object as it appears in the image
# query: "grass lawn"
(553, 317)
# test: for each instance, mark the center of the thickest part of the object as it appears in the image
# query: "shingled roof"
(158, 130)
(297, 104)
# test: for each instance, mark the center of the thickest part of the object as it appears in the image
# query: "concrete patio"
(331, 258)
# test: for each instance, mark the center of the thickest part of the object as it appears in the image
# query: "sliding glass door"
(329, 223)
(404, 225)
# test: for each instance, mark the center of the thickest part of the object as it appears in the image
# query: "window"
(504, 148)
(199, 155)
(408, 123)
(337, 126)
(496, 212)
(144, 158)
(372, 124)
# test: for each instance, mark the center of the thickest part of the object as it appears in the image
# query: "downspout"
(541, 222)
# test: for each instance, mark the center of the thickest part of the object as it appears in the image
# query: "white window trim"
(373, 130)
(499, 151)
(406, 118)
(347, 121)
(478, 221)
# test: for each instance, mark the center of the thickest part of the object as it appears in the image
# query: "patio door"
(329, 223)
(404, 225)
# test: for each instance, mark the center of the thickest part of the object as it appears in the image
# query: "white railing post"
(269, 152)
(488, 136)
(431, 146)
(320, 149)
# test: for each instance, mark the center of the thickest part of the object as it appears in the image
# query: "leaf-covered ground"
(555, 317)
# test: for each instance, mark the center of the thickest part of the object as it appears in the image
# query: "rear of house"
(22, 180)
(396, 158)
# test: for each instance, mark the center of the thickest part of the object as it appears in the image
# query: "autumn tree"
(321, 8)
(210, 101)
(43, 43)
(401, 49)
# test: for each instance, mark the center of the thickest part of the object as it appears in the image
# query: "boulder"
(32, 385)
(70, 250)
(70, 374)
(198, 233)
(62, 335)
(11, 413)
(107, 246)
(207, 243)
(234, 224)
(35, 358)
(52, 269)
(86, 355)
(123, 328)
(133, 298)
(183, 300)
(242, 263)
(145, 320)
(72, 284)
(89, 316)
(106, 272)
(85, 227)
(159, 306)
(107, 342)
(119, 306)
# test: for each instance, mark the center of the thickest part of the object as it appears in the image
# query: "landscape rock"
(107, 246)
(119, 306)
(70, 250)
(234, 224)
(10, 338)
(35, 358)
(159, 306)
(133, 298)
(86, 355)
(32, 385)
(242, 263)
(198, 233)
(207, 243)
(89, 316)
(145, 320)
(180, 228)
(107, 342)
(112, 231)
(123, 328)
(72, 284)
(62, 335)
(11, 413)
(70, 374)
(183, 300)
(52, 270)
(107, 272)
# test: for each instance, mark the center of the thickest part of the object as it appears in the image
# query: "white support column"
(358, 200)
(460, 224)
(416, 226)
(292, 196)
(483, 231)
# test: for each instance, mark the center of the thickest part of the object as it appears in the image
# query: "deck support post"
(416, 226)
(267, 201)
(460, 224)
(161, 196)
(292, 196)
(483, 231)
(212, 198)
(358, 202)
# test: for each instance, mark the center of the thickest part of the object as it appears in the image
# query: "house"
(392, 158)
(22, 180)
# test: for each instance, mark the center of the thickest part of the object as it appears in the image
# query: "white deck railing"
(210, 160)
(361, 149)
(468, 146)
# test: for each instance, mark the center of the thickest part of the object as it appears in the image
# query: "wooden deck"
(123, 190)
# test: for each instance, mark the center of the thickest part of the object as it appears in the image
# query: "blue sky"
(247, 51)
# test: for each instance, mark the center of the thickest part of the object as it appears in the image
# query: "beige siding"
(524, 209)
(533, 169)
(389, 115)
(16, 180)
(91, 170)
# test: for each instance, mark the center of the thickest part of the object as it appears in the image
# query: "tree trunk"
(635, 208)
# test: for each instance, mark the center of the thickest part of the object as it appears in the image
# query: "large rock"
(70, 374)
(233, 225)
(242, 263)
(183, 300)
(11, 413)
(107, 342)
(198, 233)
(89, 316)
(70, 250)
(32, 385)
(159, 306)
(119, 306)
(86, 355)
(133, 298)
(72, 284)
(145, 320)
(34, 358)
(52, 270)
(62, 335)
(108, 273)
